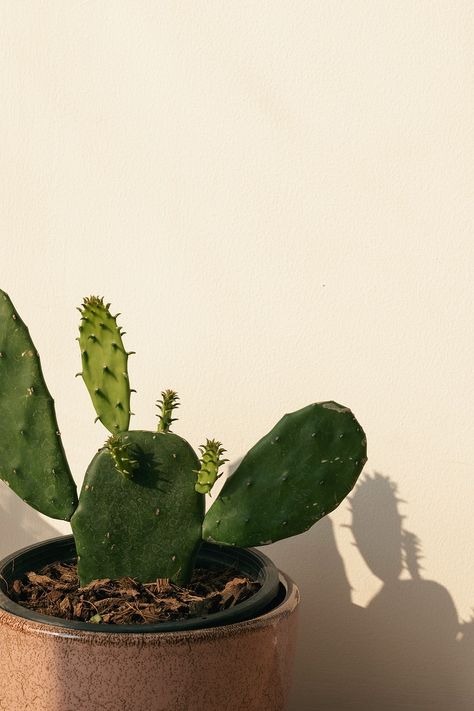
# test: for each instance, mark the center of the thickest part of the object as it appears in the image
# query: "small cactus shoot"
(168, 403)
(140, 513)
(121, 452)
(211, 460)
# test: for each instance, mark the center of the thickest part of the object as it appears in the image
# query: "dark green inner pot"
(248, 562)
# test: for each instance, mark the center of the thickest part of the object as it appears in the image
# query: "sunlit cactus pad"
(145, 523)
(104, 364)
(297, 473)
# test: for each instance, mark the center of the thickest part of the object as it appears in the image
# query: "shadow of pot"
(240, 658)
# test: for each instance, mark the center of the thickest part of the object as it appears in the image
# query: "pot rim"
(275, 590)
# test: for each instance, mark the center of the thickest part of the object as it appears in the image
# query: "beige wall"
(278, 198)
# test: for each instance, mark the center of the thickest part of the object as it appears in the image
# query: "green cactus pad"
(32, 458)
(147, 526)
(104, 364)
(292, 477)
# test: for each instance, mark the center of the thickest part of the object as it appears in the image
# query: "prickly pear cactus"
(141, 509)
(141, 519)
(104, 364)
(32, 458)
(297, 473)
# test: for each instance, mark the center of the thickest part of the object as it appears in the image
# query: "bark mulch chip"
(55, 591)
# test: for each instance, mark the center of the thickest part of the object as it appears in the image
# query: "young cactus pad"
(32, 458)
(292, 477)
(104, 364)
(143, 521)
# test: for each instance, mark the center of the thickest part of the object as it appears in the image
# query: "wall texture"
(278, 198)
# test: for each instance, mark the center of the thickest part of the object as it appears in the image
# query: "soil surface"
(55, 590)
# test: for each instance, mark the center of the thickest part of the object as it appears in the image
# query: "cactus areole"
(141, 509)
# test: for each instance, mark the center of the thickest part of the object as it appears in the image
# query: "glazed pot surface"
(245, 666)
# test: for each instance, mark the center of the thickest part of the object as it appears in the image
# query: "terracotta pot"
(48, 664)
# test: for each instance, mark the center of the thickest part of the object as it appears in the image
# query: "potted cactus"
(141, 515)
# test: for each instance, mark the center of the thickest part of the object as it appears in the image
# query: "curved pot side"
(240, 666)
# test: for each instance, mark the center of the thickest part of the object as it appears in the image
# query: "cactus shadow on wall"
(20, 525)
(405, 649)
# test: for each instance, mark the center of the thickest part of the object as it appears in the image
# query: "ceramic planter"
(240, 663)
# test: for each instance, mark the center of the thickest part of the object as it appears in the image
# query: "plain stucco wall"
(278, 198)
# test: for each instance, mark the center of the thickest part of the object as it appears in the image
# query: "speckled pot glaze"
(240, 667)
